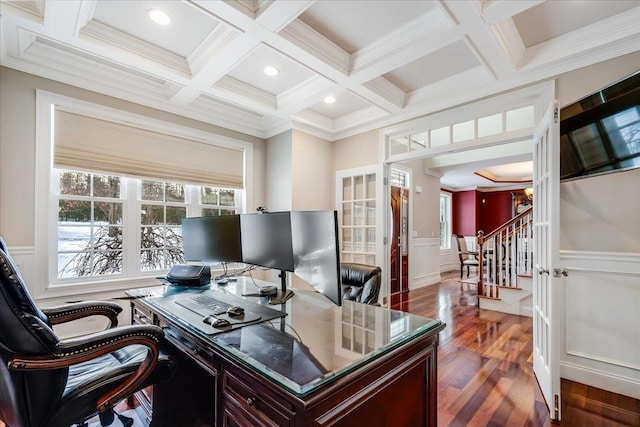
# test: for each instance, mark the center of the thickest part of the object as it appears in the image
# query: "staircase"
(505, 281)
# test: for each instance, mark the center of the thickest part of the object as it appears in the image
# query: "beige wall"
(17, 146)
(313, 175)
(601, 213)
(426, 205)
(577, 84)
(356, 151)
(279, 172)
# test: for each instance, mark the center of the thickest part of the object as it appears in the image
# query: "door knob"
(542, 271)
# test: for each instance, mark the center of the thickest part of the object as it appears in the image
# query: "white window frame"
(45, 227)
(446, 197)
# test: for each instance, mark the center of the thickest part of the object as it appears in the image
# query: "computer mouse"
(220, 323)
(235, 311)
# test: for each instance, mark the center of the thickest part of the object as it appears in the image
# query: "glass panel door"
(357, 213)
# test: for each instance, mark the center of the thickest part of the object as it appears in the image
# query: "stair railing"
(505, 253)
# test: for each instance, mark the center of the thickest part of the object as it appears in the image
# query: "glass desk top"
(313, 344)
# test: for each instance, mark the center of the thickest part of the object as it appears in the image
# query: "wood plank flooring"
(485, 372)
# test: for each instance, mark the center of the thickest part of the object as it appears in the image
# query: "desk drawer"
(244, 401)
(141, 315)
(201, 355)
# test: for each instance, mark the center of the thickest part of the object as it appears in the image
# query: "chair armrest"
(77, 350)
(73, 311)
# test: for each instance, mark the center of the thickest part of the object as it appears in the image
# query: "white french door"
(546, 287)
(358, 192)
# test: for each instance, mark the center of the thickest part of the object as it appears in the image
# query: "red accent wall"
(473, 211)
(464, 215)
(495, 209)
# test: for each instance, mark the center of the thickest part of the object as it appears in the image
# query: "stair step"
(510, 287)
(526, 276)
(488, 297)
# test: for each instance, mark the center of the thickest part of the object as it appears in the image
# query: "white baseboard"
(600, 379)
(420, 282)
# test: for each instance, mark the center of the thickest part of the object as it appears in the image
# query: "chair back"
(463, 252)
(27, 398)
(360, 282)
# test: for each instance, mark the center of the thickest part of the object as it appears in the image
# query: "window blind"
(99, 145)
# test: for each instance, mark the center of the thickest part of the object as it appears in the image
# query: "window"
(96, 237)
(90, 224)
(91, 203)
(445, 220)
(162, 207)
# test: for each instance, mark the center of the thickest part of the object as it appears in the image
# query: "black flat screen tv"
(316, 251)
(212, 239)
(601, 132)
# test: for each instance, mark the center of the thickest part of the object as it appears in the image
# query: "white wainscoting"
(601, 333)
(424, 262)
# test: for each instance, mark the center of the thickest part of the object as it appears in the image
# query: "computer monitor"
(266, 241)
(316, 251)
(212, 239)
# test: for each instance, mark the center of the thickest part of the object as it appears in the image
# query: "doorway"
(399, 247)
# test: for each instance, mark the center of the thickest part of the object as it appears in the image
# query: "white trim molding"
(601, 339)
(424, 262)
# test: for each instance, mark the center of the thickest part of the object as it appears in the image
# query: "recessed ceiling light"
(330, 99)
(271, 71)
(159, 17)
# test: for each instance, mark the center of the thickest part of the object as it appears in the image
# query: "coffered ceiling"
(382, 61)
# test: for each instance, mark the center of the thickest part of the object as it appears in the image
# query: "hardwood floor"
(485, 373)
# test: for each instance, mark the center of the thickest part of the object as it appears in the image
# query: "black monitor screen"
(212, 239)
(266, 240)
(316, 251)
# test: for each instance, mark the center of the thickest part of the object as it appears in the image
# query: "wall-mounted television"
(601, 132)
(212, 239)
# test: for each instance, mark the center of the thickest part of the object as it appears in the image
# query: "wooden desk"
(320, 365)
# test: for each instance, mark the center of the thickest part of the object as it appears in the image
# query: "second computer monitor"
(212, 239)
(316, 251)
(266, 240)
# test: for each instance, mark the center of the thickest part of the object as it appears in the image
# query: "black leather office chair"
(49, 382)
(360, 282)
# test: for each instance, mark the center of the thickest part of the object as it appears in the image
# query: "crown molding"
(105, 35)
(205, 108)
(32, 10)
(241, 92)
(309, 39)
(387, 90)
(312, 119)
(419, 29)
(614, 31)
(361, 117)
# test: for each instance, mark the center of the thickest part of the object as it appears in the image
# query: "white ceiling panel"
(346, 103)
(555, 18)
(446, 62)
(189, 26)
(353, 25)
(251, 71)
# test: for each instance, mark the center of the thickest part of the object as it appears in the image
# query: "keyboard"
(206, 302)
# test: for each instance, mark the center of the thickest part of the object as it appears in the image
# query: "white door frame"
(540, 95)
